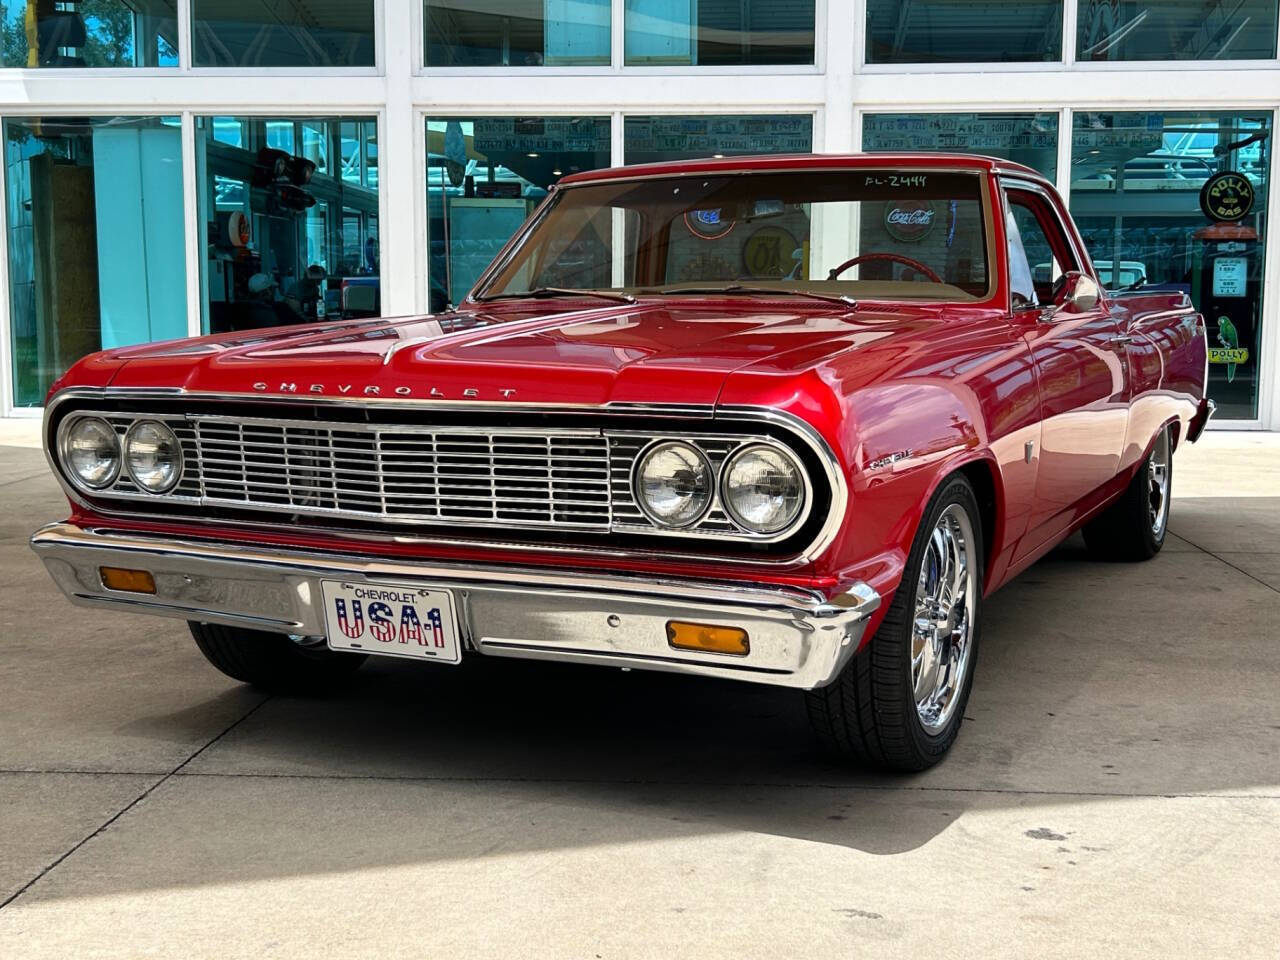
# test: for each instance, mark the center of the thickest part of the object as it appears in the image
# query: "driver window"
(1044, 248)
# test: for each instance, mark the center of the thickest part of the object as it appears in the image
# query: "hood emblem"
(377, 390)
(403, 345)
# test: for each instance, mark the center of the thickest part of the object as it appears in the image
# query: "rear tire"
(899, 703)
(274, 661)
(1134, 527)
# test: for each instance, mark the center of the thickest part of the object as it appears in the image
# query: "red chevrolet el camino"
(780, 419)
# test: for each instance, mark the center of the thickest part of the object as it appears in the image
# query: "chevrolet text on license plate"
(390, 620)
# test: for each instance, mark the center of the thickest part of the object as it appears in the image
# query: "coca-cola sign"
(908, 220)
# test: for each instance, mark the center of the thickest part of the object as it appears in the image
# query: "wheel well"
(983, 481)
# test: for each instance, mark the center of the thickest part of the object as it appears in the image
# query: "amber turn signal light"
(708, 638)
(130, 581)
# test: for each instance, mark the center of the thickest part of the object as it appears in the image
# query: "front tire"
(899, 703)
(1134, 527)
(274, 661)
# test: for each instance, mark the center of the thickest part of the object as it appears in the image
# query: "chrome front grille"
(395, 473)
(530, 478)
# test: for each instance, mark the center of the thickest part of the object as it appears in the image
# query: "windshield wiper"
(544, 292)
(735, 289)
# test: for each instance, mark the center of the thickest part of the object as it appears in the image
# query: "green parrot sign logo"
(1228, 351)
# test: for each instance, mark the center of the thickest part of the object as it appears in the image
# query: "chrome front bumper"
(798, 638)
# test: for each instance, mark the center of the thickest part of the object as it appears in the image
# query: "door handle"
(1121, 340)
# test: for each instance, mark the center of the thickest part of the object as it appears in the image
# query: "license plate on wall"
(390, 620)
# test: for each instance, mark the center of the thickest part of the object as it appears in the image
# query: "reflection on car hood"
(670, 353)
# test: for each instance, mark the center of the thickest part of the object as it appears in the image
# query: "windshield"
(866, 234)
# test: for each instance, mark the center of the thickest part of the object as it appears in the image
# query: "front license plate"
(392, 620)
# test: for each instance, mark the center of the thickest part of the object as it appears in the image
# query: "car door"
(1080, 361)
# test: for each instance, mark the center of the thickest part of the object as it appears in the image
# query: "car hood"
(522, 353)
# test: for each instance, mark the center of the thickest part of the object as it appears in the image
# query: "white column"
(834, 225)
(399, 146)
(194, 234)
(1066, 120)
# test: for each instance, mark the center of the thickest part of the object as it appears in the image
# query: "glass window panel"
(359, 156)
(315, 145)
(485, 175)
(89, 33)
(96, 251)
(350, 153)
(300, 33)
(1176, 30)
(516, 33)
(719, 32)
(666, 138)
(280, 135)
(1135, 195)
(229, 130)
(281, 248)
(371, 154)
(959, 31)
(1026, 138)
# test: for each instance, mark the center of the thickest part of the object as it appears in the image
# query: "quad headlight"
(763, 489)
(91, 452)
(674, 484)
(154, 456)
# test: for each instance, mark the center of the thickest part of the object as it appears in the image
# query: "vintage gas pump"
(1226, 276)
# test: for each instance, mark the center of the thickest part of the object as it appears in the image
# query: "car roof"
(774, 163)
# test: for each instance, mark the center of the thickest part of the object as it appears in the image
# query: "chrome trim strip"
(794, 425)
(450, 406)
(836, 481)
(800, 637)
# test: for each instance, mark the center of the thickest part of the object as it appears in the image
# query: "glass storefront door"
(485, 175)
(96, 243)
(290, 208)
(1141, 186)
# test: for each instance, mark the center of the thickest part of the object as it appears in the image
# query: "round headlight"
(154, 456)
(673, 484)
(763, 489)
(91, 451)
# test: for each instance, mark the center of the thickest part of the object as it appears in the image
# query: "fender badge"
(889, 460)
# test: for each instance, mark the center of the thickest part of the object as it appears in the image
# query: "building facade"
(175, 167)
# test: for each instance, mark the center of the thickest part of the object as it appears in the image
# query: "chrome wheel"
(942, 632)
(1158, 484)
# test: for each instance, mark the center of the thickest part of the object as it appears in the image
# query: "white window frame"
(837, 89)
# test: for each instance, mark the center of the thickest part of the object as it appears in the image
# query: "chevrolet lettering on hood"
(376, 390)
(806, 469)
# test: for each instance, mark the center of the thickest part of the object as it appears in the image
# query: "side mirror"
(1074, 293)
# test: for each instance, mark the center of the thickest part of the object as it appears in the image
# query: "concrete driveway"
(1115, 790)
